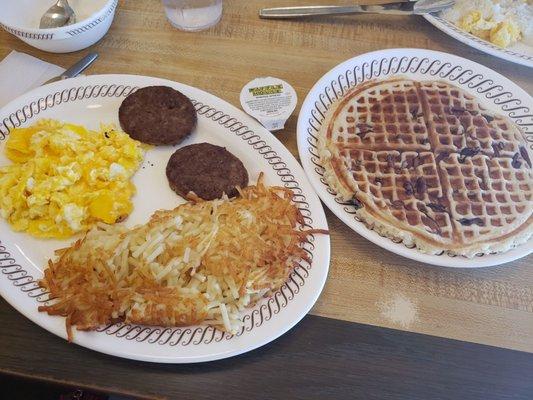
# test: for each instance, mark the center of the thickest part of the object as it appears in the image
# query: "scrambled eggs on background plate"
(65, 178)
(502, 22)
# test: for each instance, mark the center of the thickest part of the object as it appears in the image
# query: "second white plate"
(520, 53)
(493, 90)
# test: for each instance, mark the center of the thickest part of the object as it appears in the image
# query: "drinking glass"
(193, 15)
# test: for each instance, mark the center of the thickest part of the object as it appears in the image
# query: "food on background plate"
(502, 22)
(206, 170)
(426, 164)
(203, 262)
(65, 178)
(157, 115)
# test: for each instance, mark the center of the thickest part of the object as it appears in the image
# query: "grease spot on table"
(399, 310)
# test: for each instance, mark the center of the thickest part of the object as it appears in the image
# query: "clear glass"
(193, 15)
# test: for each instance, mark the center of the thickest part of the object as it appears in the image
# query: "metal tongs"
(404, 8)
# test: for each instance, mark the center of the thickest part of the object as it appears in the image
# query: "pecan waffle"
(426, 163)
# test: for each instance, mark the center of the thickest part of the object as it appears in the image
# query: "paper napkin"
(20, 72)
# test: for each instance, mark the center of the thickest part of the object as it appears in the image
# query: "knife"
(404, 8)
(76, 69)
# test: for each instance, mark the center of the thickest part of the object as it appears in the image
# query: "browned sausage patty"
(157, 115)
(207, 170)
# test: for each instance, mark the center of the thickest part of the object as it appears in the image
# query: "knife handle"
(305, 11)
(80, 66)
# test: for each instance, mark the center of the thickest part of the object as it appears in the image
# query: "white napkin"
(20, 72)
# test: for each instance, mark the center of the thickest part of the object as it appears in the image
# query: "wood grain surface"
(366, 284)
(321, 358)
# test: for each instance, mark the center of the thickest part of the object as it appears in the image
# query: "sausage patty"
(207, 170)
(157, 115)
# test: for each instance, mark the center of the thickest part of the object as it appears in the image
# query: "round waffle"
(426, 163)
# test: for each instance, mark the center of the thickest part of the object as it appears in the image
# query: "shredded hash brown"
(203, 262)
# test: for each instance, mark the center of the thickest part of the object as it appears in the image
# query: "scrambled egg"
(502, 33)
(505, 33)
(65, 178)
(502, 22)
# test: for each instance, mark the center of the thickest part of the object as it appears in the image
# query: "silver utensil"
(60, 14)
(76, 69)
(405, 8)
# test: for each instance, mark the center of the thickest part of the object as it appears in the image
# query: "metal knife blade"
(404, 8)
(76, 69)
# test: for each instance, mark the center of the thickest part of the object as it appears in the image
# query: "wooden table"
(368, 289)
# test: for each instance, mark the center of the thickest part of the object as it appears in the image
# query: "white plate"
(95, 99)
(493, 90)
(519, 53)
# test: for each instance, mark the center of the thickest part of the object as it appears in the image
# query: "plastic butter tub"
(269, 100)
